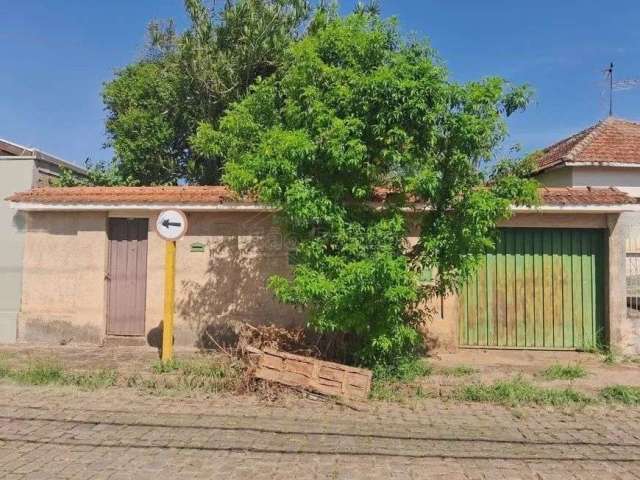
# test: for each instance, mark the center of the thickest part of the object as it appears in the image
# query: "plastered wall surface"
(14, 175)
(223, 265)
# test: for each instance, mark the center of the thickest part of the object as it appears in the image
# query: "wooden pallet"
(326, 378)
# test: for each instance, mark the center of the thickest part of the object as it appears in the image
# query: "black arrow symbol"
(168, 223)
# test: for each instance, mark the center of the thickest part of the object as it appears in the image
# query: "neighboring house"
(20, 168)
(605, 155)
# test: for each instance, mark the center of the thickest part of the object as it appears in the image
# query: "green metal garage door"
(541, 288)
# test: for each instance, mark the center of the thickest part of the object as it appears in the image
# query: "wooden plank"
(567, 291)
(492, 324)
(482, 302)
(472, 310)
(463, 318)
(501, 298)
(129, 296)
(599, 259)
(520, 298)
(548, 287)
(511, 287)
(558, 331)
(588, 296)
(529, 289)
(576, 275)
(538, 295)
(141, 275)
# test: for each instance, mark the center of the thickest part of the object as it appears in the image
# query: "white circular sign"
(171, 224)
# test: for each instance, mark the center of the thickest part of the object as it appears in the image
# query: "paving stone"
(114, 434)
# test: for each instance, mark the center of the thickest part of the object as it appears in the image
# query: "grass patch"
(4, 369)
(206, 375)
(396, 383)
(91, 380)
(609, 357)
(40, 372)
(458, 371)
(404, 371)
(622, 394)
(50, 372)
(564, 372)
(517, 391)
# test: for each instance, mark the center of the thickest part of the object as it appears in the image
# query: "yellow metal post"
(169, 292)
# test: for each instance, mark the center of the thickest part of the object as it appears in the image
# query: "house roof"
(613, 142)
(216, 197)
(126, 195)
(12, 149)
(584, 196)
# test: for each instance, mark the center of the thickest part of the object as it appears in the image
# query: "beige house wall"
(224, 285)
(66, 262)
(63, 280)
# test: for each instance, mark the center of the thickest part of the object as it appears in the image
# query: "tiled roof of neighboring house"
(584, 196)
(611, 141)
(195, 195)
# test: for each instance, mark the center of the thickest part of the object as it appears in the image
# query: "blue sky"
(57, 53)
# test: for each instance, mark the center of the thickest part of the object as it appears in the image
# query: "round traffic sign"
(171, 224)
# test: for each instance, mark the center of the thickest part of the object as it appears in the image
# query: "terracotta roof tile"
(610, 141)
(120, 195)
(192, 195)
(584, 196)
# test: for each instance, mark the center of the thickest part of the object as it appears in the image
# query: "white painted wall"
(15, 175)
(558, 177)
(626, 179)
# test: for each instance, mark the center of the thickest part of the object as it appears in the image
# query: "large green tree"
(154, 105)
(356, 115)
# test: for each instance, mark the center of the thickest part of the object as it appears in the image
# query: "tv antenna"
(618, 85)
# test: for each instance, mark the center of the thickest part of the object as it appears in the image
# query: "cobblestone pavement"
(48, 433)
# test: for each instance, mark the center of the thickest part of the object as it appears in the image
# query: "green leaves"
(355, 111)
(155, 105)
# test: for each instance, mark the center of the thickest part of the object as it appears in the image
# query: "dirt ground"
(492, 365)
(488, 365)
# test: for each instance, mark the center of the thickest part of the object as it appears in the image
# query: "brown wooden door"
(127, 276)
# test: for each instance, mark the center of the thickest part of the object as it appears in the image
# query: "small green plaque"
(197, 247)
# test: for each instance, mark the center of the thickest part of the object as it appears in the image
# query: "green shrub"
(395, 381)
(564, 372)
(406, 369)
(358, 111)
(622, 393)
